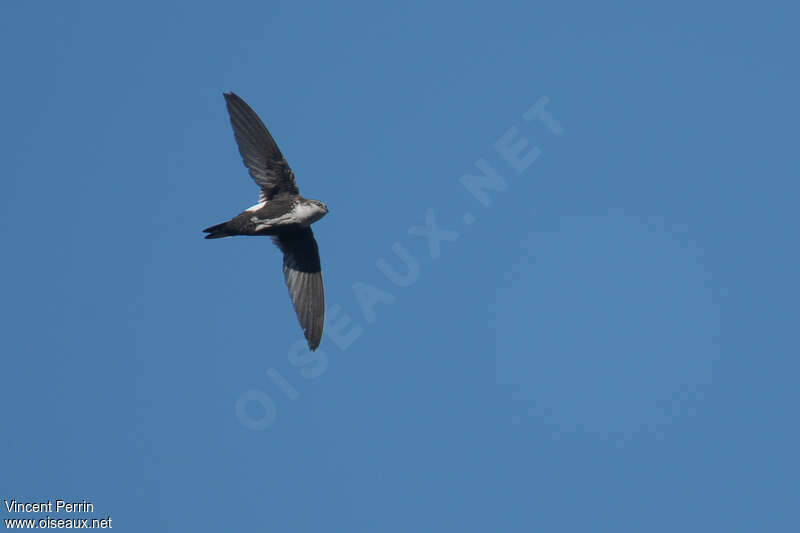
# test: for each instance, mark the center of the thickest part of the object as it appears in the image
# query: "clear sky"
(560, 266)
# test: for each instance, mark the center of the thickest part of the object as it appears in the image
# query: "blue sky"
(608, 345)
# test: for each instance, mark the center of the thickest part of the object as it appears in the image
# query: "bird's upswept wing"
(261, 155)
(303, 274)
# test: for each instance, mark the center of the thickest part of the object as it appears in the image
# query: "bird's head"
(321, 205)
(320, 209)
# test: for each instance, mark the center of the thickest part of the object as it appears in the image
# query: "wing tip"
(308, 299)
(313, 344)
(231, 98)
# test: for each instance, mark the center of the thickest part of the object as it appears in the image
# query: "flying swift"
(282, 214)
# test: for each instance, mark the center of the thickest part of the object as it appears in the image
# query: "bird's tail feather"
(217, 232)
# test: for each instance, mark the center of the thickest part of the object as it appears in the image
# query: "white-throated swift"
(280, 213)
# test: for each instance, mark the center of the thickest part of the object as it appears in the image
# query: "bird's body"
(270, 217)
(282, 213)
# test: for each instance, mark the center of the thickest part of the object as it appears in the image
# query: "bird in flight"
(282, 214)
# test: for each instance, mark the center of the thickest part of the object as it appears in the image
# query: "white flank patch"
(256, 207)
(263, 224)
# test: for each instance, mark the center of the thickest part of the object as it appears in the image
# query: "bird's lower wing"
(303, 275)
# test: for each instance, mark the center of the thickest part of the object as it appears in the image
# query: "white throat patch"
(305, 214)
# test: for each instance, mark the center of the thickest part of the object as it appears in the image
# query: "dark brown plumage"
(280, 213)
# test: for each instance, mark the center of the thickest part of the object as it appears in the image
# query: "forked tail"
(217, 232)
